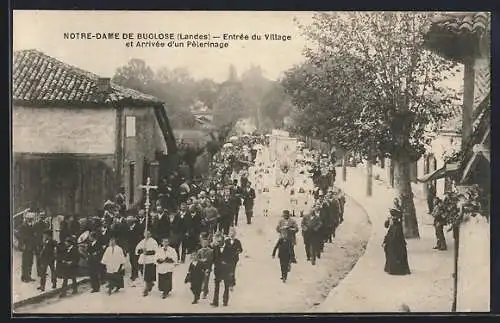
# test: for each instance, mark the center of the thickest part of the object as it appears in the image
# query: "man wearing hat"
(311, 232)
(69, 264)
(288, 227)
(248, 194)
(95, 252)
(47, 259)
(27, 243)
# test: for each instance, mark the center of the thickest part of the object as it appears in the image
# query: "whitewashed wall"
(63, 130)
(473, 290)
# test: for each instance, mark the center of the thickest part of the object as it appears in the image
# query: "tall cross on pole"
(148, 187)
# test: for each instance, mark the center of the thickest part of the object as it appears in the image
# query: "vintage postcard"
(250, 162)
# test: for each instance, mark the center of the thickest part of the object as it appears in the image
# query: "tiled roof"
(37, 77)
(462, 22)
(457, 36)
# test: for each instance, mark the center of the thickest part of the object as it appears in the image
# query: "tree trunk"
(403, 186)
(426, 171)
(344, 167)
(369, 179)
(391, 172)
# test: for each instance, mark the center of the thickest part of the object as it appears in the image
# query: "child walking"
(195, 276)
(284, 247)
(114, 260)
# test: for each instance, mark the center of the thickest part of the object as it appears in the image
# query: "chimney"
(103, 85)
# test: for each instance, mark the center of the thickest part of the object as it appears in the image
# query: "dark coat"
(206, 257)
(235, 202)
(195, 275)
(248, 197)
(161, 227)
(236, 249)
(310, 224)
(192, 223)
(69, 262)
(326, 216)
(284, 248)
(176, 229)
(141, 224)
(94, 256)
(396, 257)
(103, 237)
(134, 235)
(119, 231)
(27, 238)
(226, 210)
(48, 251)
(223, 262)
(184, 223)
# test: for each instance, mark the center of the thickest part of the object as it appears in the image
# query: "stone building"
(78, 138)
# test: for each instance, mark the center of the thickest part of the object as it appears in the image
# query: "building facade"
(78, 138)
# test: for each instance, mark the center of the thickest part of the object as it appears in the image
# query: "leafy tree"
(175, 87)
(206, 92)
(276, 104)
(255, 86)
(370, 85)
(135, 75)
(229, 105)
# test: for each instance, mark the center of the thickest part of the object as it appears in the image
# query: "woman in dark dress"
(396, 257)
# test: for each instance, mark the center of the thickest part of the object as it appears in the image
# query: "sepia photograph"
(205, 162)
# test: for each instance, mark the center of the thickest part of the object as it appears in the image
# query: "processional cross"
(148, 187)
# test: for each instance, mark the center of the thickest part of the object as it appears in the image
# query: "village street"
(259, 288)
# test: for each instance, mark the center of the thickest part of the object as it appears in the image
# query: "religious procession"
(194, 220)
(354, 162)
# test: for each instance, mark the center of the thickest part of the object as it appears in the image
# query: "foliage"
(182, 94)
(136, 75)
(276, 104)
(229, 105)
(370, 82)
(176, 87)
(255, 86)
(456, 206)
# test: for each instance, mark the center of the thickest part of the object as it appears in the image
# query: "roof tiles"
(463, 22)
(37, 77)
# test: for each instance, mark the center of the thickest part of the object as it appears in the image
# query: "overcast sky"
(43, 30)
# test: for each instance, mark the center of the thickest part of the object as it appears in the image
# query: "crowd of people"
(191, 217)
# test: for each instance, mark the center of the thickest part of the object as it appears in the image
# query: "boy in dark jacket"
(195, 276)
(205, 254)
(284, 247)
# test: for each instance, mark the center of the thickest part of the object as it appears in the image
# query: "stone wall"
(140, 149)
(473, 290)
(63, 130)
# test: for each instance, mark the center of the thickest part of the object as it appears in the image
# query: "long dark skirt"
(165, 282)
(396, 259)
(115, 280)
(150, 273)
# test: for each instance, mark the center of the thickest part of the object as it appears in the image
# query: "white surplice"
(148, 245)
(162, 254)
(113, 257)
